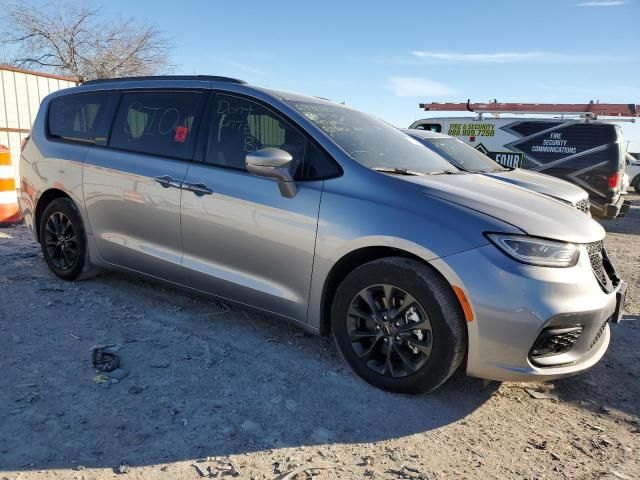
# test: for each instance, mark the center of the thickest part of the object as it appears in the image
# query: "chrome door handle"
(199, 189)
(168, 181)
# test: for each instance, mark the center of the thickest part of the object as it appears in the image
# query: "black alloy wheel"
(63, 240)
(399, 325)
(60, 241)
(389, 330)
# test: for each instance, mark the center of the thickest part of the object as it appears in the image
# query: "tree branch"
(73, 39)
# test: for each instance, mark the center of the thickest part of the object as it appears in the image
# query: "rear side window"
(157, 123)
(77, 117)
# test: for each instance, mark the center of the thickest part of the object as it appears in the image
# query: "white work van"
(587, 153)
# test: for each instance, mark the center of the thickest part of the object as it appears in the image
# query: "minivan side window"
(77, 117)
(157, 123)
(240, 126)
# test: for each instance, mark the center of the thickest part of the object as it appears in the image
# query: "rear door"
(585, 154)
(132, 187)
(242, 239)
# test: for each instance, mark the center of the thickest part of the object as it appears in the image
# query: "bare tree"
(73, 39)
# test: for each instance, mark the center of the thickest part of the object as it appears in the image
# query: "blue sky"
(386, 57)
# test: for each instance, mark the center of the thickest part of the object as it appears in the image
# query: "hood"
(533, 213)
(541, 183)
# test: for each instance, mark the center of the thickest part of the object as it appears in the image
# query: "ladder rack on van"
(589, 110)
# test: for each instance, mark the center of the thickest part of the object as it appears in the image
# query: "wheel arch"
(45, 199)
(350, 262)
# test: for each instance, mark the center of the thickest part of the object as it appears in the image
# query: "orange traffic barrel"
(9, 210)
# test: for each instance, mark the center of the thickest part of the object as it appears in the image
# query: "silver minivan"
(324, 216)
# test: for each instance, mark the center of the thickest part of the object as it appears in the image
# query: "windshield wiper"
(396, 171)
(443, 172)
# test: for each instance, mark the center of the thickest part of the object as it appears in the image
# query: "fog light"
(554, 341)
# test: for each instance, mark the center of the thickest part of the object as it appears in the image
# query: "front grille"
(583, 206)
(597, 254)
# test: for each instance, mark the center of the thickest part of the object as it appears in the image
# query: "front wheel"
(398, 325)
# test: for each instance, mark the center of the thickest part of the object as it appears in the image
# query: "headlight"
(536, 251)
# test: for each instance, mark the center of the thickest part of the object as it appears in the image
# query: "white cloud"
(418, 87)
(498, 57)
(246, 68)
(602, 3)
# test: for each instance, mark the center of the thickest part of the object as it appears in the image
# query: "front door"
(132, 189)
(242, 239)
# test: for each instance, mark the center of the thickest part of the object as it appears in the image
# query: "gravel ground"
(220, 392)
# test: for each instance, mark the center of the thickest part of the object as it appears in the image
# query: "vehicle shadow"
(612, 385)
(204, 379)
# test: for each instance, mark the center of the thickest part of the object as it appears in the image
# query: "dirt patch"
(209, 390)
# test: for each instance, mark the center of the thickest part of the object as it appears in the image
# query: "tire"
(424, 327)
(637, 186)
(70, 238)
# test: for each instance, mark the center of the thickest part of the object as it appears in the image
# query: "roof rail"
(211, 78)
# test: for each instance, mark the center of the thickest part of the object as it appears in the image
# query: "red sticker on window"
(181, 134)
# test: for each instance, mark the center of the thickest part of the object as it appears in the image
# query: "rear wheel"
(398, 325)
(63, 240)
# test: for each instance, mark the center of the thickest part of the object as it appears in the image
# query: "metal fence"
(21, 92)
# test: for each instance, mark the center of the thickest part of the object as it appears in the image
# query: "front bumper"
(514, 303)
(616, 209)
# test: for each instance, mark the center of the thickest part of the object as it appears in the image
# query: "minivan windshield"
(372, 142)
(465, 157)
